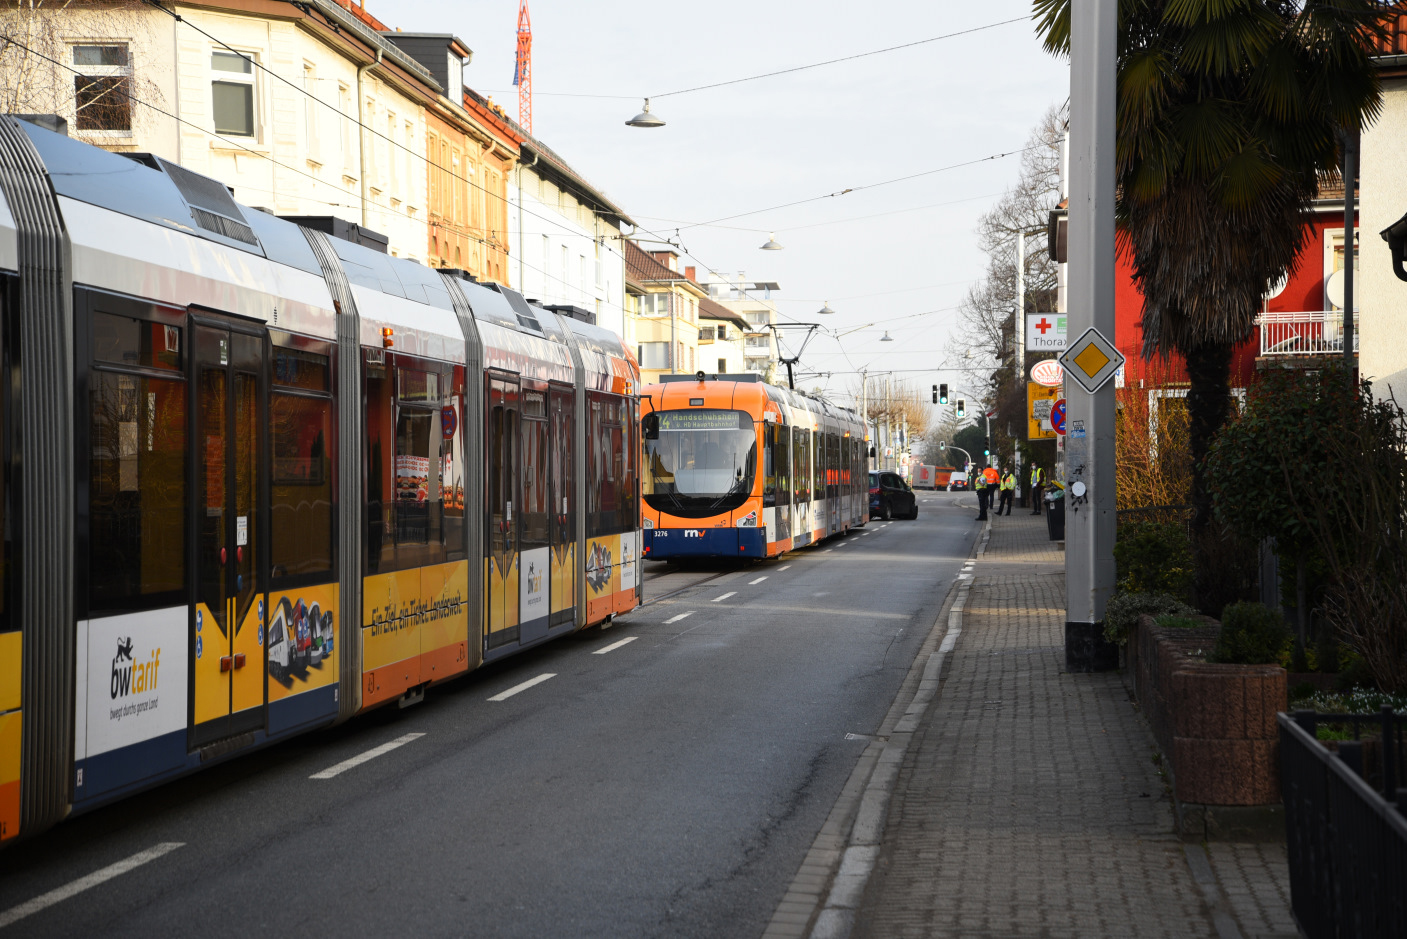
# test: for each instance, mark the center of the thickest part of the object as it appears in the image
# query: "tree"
(1229, 116)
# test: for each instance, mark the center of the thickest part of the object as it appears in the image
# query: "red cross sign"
(1042, 325)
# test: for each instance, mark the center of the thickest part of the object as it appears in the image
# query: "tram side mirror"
(699, 374)
(650, 425)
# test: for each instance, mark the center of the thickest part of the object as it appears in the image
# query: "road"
(666, 779)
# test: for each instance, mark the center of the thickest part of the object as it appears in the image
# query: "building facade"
(752, 300)
(1382, 202)
(664, 322)
(722, 333)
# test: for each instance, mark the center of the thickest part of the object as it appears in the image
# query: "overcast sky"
(749, 146)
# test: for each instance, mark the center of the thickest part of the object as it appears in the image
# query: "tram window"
(769, 465)
(535, 467)
(452, 447)
(776, 456)
(408, 462)
(801, 472)
(607, 466)
(137, 491)
(818, 466)
(630, 466)
(301, 486)
(562, 449)
(121, 340)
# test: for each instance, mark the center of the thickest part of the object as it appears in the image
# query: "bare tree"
(54, 60)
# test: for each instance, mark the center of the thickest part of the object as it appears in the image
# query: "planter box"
(1216, 726)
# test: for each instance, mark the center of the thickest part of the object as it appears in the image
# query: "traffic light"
(962, 408)
(935, 394)
(942, 394)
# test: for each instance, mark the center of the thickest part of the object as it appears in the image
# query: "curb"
(824, 896)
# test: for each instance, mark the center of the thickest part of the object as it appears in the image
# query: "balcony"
(1303, 335)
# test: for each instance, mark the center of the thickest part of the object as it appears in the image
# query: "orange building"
(467, 198)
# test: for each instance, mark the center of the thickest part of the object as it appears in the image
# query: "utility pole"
(1020, 324)
(888, 419)
(673, 343)
(1090, 518)
(865, 414)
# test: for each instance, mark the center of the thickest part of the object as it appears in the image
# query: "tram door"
(503, 512)
(227, 643)
(563, 514)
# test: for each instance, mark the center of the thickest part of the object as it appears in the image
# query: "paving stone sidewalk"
(1030, 802)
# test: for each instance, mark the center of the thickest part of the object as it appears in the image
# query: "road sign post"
(1089, 447)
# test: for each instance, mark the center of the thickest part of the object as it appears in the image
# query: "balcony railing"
(1316, 332)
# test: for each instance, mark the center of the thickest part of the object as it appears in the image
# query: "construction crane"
(523, 68)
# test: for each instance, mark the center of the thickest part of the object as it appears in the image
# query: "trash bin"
(1055, 515)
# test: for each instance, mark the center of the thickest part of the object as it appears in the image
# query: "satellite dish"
(1333, 290)
(1278, 287)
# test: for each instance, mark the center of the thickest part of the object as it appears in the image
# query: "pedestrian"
(975, 480)
(990, 481)
(1037, 486)
(1008, 491)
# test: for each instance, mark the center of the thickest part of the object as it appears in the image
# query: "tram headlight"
(748, 521)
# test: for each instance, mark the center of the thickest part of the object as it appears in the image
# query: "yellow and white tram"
(257, 479)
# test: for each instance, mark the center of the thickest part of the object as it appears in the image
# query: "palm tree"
(1230, 117)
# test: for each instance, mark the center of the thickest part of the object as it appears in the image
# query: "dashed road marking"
(724, 597)
(505, 695)
(782, 568)
(361, 758)
(675, 619)
(616, 645)
(757, 581)
(45, 900)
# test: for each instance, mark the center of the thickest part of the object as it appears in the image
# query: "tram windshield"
(699, 462)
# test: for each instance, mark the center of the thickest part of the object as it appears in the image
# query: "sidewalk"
(1029, 801)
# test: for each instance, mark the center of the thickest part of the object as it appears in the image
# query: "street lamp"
(886, 338)
(772, 243)
(645, 118)
(825, 309)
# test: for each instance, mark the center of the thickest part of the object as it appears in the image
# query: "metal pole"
(888, 420)
(1350, 175)
(865, 414)
(1020, 323)
(1089, 519)
(673, 343)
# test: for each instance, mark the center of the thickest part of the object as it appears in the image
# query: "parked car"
(891, 497)
(958, 482)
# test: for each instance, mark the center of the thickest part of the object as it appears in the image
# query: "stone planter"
(1216, 726)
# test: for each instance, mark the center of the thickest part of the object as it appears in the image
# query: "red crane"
(523, 68)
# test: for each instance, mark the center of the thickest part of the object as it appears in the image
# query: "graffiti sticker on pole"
(1057, 417)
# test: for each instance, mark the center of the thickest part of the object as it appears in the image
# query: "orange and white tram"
(257, 479)
(735, 467)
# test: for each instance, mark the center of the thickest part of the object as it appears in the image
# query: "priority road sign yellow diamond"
(1091, 360)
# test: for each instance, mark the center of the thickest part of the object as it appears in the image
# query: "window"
(414, 510)
(536, 507)
(136, 465)
(103, 87)
(655, 304)
(312, 109)
(776, 488)
(705, 334)
(698, 462)
(654, 355)
(232, 93)
(581, 275)
(610, 465)
(801, 464)
(301, 486)
(345, 105)
(722, 366)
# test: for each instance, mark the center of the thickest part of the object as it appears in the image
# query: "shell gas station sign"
(1042, 391)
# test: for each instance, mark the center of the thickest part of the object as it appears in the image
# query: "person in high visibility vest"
(1008, 491)
(988, 493)
(1037, 486)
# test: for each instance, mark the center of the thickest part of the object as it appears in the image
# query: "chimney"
(689, 273)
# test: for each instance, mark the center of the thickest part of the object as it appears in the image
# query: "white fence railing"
(1316, 332)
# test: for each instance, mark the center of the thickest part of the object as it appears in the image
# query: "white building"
(753, 301)
(1382, 200)
(564, 238)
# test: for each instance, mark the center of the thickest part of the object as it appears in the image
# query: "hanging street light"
(772, 243)
(886, 337)
(825, 310)
(646, 119)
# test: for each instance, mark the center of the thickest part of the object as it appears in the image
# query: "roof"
(642, 268)
(713, 310)
(549, 163)
(452, 42)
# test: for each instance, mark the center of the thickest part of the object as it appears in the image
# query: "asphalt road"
(666, 780)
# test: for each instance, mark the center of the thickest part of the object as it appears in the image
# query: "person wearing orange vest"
(989, 482)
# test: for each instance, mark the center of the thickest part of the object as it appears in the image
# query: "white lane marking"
(782, 568)
(675, 619)
(505, 695)
(361, 758)
(616, 645)
(827, 551)
(724, 597)
(757, 581)
(45, 900)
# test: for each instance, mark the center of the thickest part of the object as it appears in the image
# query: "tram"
(257, 479)
(735, 467)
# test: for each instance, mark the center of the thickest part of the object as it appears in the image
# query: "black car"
(891, 497)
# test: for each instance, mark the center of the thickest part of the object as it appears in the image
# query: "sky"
(758, 144)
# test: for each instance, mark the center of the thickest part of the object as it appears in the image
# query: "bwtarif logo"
(129, 677)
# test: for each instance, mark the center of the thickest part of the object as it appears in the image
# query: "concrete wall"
(1382, 347)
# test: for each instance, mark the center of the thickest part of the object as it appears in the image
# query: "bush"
(1123, 610)
(1154, 557)
(1251, 634)
(1173, 621)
